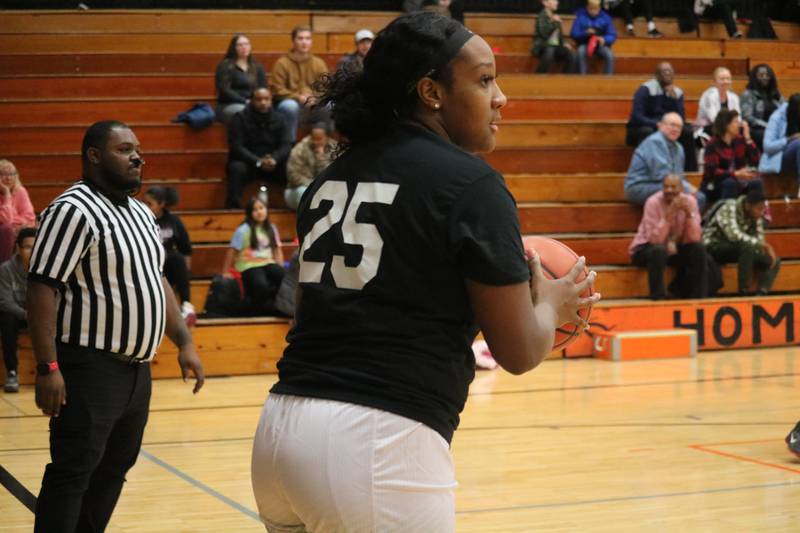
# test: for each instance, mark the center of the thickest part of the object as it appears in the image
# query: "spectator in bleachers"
(627, 13)
(363, 39)
(293, 77)
(255, 252)
(782, 140)
(442, 7)
(658, 156)
(730, 159)
(760, 100)
(670, 234)
(259, 141)
(651, 101)
(722, 9)
(735, 234)
(548, 40)
(16, 209)
(308, 158)
(719, 96)
(593, 31)
(13, 303)
(237, 76)
(452, 8)
(177, 246)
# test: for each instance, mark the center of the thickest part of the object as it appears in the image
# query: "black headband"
(445, 54)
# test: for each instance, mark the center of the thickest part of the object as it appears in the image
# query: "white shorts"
(327, 466)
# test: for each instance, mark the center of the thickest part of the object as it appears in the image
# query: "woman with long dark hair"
(782, 140)
(759, 100)
(237, 76)
(408, 244)
(255, 252)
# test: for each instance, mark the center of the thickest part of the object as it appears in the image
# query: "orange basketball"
(557, 259)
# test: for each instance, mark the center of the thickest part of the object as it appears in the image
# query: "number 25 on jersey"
(356, 233)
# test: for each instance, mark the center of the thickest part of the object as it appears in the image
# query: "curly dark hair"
(772, 90)
(366, 102)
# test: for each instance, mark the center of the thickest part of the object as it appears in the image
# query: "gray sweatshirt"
(13, 286)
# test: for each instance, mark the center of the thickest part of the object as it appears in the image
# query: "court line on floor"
(490, 393)
(17, 489)
(200, 485)
(707, 448)
(627, 498)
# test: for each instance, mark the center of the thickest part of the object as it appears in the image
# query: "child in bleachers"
(594, 32)
(548, 40)
(308, 158)
(178, 247)
(255, 252)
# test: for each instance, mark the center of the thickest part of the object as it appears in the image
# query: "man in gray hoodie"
(13, 314)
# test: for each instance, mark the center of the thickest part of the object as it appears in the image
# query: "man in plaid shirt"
(735, 233)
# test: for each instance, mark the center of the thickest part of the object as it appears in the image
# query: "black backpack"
(224, 298)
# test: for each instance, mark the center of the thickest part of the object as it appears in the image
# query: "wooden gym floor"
(576, 445)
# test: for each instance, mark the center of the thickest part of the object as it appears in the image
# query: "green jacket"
(545, 26)
(730, 224)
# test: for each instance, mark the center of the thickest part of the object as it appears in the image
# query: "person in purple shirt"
(594, 32)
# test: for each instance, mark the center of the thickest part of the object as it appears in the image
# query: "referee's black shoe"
(793, 440)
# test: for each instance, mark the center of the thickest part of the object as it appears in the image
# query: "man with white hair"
(658, 156)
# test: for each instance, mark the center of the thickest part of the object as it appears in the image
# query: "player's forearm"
(175, 329)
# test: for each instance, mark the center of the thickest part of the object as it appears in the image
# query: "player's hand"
(562, 295)
(190, 362)
(51, 393)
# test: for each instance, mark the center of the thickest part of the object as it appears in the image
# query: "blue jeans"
(790, 164)
(291, 110)
(601, 51)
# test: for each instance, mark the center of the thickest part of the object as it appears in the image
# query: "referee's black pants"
(94, 441)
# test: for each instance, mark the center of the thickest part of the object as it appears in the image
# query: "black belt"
(127, 358)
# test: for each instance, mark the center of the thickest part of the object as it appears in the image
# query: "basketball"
(557, 259)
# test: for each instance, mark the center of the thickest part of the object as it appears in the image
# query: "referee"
(98, 309)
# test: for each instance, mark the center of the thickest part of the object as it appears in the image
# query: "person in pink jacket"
(670, 234)
(16, 210)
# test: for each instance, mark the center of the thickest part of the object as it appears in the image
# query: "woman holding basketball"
(409, 242)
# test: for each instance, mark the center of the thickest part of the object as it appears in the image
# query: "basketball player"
(407, 240)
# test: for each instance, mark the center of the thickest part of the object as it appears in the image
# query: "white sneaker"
(188, 314)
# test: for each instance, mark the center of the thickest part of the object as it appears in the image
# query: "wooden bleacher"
(561, 146)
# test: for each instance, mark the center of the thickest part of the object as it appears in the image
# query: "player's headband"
(445, 54)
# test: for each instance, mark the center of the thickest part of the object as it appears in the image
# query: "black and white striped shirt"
(106, 259)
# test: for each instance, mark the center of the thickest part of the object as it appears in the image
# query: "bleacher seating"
(561, 145)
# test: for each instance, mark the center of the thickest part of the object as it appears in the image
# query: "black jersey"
(389, 231)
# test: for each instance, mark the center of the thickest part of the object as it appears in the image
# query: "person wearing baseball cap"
(363, 39)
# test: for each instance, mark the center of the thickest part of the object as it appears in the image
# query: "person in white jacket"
(714, 98)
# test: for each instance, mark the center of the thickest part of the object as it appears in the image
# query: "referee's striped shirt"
(107, 260)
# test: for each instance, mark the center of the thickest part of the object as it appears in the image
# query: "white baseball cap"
(364, 34)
